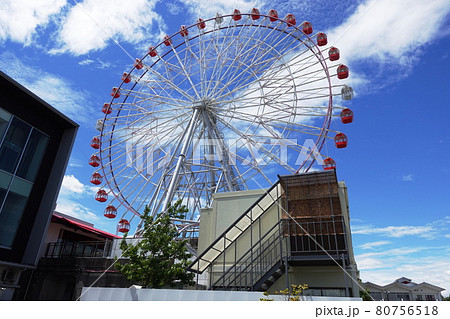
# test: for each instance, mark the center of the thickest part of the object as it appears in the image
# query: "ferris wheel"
(225, 104)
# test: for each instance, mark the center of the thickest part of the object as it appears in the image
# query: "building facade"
(75, 254)
(403, 289)
(35, 145)
(296, 232)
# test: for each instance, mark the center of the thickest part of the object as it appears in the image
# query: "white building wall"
(136, 294)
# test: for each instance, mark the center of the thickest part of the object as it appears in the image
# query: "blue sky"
(396, 165)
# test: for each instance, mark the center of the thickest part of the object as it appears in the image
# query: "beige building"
(296, 232)
(403, 289)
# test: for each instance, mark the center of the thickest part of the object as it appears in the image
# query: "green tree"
(365, 295)
(160, 257)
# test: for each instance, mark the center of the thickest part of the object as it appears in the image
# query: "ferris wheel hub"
(203, 105)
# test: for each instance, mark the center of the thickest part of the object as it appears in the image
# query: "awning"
(70, 222)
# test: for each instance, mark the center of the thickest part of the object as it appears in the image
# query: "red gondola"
(126, 78)
(183, 31)
(138, 64)
(329, 163)
(333, 54)
(255, 14)
(322, 39)
(106, 108)
(342, 72)
(94, 161)
(95, 143)
(96, 179)
(340, 140)
(123, 226)
(346, 116)
(110, 212)
(101, 196)
(115, 92)
(307, 27)
(290, 20)
(167, 40)
(201, 24)
(237, 15)
(273, 14)
(152, 52)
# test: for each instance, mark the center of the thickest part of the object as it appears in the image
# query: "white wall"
(137, 294)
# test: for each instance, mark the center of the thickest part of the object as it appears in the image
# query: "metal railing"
(78, 249)
(254, 264)
(308, 237)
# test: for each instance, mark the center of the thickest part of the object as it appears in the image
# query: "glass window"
(376, 295)
(21, 152)
(5, 180)
(32, 157)
(5, 117)
(12, 147)
(13, 208)
(399, 296)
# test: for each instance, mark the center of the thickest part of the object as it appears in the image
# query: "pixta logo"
(147, 158)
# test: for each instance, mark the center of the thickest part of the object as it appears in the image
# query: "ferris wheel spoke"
(152, 95)
(256, 80)
(242, 81)
(168, 81)
(218, 110)
(185, 73)
(280, 123)
(237, 56)
(241, 50)
(250, 142)
(156, 88)
(218, 49)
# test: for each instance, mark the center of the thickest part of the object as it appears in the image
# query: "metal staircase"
(254, 223)
(257, 269)
(256, 250)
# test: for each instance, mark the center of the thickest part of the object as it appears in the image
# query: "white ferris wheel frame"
(152, 93)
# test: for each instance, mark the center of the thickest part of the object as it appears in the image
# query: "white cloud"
(72, 192)
(86, 62)
(75, 209)
(89, 26)
(384, 29)
(427, 231)
(424, 263)
(389, 35)
(374, 244)
(174, 8)
(430, 269)
(19, 20)
(408, 178)
(430, 230)
(71, 185)
(369, 263)
(53, 89)
(97, 63)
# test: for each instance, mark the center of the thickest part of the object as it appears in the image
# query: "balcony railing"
(78, 249)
